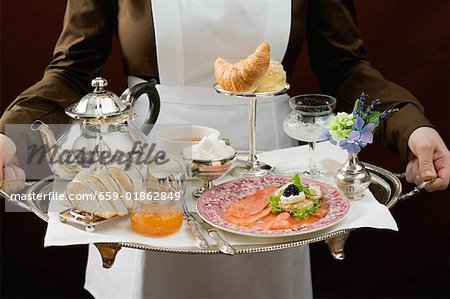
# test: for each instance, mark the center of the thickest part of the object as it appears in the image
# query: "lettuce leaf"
(274, 202)
(303, 212)
(297, 181)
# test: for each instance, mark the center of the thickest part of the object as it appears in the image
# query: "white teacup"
(174, 139)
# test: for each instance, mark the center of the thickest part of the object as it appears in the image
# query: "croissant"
(243, 76)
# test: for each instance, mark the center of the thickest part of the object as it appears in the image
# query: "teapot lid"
(99, 104)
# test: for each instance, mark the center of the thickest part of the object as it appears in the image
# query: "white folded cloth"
(366, 212)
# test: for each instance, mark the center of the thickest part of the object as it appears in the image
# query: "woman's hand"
(429, 158)
(12, 177)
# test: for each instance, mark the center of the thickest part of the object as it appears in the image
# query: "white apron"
(190, 35)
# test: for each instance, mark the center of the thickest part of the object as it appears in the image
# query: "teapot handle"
(149, 89)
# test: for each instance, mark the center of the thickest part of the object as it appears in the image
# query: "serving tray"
(385, 186)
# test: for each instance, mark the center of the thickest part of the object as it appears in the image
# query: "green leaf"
(356, 106)
(297, 181)
(373, 117)
(274, 201)
(303, 212)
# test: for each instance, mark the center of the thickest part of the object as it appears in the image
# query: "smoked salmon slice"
(247, 220)
(252, 204)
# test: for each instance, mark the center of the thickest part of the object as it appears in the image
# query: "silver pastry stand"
(385, 186)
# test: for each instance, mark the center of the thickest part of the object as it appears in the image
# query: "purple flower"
(327, 136)
(355, 136)
(363, 134)
(359, 123)
(367, 133)
(366, 119)
(350, 146)
(387, 113)
(363, 97)
(360, 106)
(374, 106)
(359, 137)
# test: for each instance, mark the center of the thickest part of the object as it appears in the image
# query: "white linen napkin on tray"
(366, 212)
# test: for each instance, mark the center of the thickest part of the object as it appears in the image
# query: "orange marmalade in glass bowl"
(157, 209)
(157, 219)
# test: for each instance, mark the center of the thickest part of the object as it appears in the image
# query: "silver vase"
(352, 177)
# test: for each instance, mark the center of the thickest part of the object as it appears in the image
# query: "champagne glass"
(310, 112)
(253, 167)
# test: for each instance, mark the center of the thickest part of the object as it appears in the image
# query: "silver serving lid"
(98, 104)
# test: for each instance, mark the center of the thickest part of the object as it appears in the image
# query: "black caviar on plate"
(291, 190)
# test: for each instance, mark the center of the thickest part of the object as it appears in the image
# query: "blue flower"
(367, 133)
(359, 123)
(359, 137)
(326, 135)
(355, 136)
(362, 133)
(350, 146)
(354, 131)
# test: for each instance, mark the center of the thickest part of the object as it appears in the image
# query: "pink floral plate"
(212, 203)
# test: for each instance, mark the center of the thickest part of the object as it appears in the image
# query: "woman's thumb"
(426, 165)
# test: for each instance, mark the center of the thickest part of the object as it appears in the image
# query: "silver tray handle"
(12, 200)
(415, 190)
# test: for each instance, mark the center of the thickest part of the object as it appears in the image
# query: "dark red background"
(407, 40)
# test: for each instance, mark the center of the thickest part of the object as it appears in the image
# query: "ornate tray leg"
(108, 253)
(336, 246)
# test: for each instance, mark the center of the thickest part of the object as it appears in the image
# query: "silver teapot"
(102, 130)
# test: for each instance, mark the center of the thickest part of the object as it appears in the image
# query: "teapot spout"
(61, 169)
